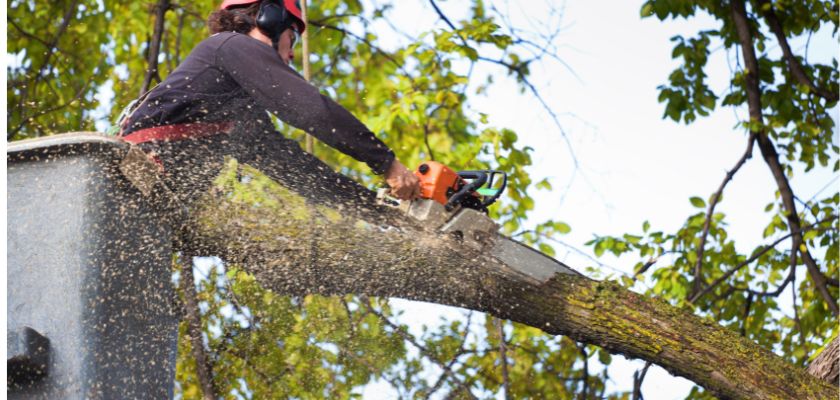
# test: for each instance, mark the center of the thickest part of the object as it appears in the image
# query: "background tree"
(789, 105)
(416, 94)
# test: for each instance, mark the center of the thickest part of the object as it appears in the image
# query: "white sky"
(635, 166)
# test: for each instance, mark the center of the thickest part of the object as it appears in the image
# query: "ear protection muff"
(273, 19)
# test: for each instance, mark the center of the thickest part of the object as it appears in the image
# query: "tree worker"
(214, 105)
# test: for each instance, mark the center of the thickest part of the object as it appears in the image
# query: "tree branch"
(160, 10)
(51, 46)
(754, 257)
(768, 149)
(584, 393)
(362, 248)
(461, 351)
(364, 40)
(203, 368)
(794, 66)
(794, 244)
(447, 370)
(500, 328)
(46, 44)
(698, 277)
(745, 317)
(638, 378)
(520, 74)
(825, 366)
(22, 124)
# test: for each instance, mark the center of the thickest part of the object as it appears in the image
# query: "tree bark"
(302, 245)
(827, 365)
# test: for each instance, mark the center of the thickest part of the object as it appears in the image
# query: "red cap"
(291, 6)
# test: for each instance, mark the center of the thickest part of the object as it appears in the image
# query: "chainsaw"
(456, 203)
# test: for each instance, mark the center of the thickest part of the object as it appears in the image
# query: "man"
(214, 104)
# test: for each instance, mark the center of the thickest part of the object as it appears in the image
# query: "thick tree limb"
(768, 149)
(297, 246)
(827, 365)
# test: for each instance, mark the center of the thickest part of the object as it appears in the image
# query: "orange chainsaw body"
(437, 181)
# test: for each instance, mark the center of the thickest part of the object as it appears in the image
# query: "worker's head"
(274, 22)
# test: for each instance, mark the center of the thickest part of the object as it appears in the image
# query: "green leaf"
(647, 10)
(562, 227)
(697, 202)
(546, 249)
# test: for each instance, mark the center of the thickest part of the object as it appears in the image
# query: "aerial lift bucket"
(91, 310)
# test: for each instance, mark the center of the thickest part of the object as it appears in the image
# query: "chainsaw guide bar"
(475, 230)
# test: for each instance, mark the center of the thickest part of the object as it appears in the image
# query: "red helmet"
(291, 6)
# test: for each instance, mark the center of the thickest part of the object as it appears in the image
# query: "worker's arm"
(258, 69)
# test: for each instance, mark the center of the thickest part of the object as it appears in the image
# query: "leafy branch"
(768, 149)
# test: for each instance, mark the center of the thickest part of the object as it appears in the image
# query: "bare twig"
(698, 270)
(500, 328)
(521, 75)
(181, 17)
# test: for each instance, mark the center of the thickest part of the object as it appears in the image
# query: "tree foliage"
(69, 57)
(790, 101)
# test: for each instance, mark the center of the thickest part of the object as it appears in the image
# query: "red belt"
(168, 133)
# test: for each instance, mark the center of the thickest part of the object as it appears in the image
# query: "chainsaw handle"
(492, 199)
(478, 179)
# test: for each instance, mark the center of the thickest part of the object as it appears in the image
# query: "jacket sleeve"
(258, 69)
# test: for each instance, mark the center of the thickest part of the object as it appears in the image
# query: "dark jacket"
(233, 77)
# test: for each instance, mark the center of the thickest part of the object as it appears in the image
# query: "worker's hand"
(404, 184)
